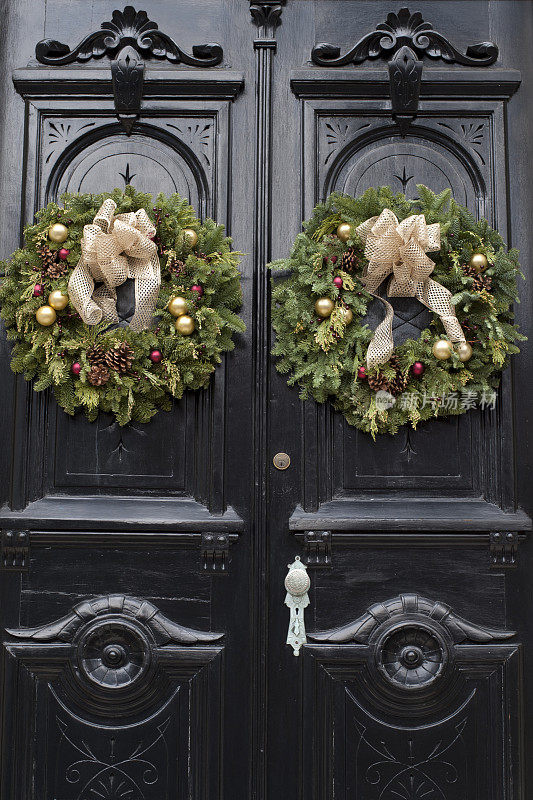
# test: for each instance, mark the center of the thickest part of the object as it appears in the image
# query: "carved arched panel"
(350, 144)
(139, 160)
(94, 159)
(137, 456)
(435, 157)
(378, 158)
(74, 143)
(407, 165)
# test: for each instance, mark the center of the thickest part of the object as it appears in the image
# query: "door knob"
(297, 583)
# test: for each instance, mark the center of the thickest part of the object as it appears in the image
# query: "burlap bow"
(112, 250)
(400, 249)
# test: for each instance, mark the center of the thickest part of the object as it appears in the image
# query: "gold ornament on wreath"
(369, 250)
(59, 302)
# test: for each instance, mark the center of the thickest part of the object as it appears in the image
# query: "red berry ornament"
(76, 368)
(63, 253)
(337, 282)
(361, 373)
(417, 369)
(37, 290)
(197, 288)
(155, 356)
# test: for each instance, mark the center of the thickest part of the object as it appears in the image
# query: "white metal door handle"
(297, 583)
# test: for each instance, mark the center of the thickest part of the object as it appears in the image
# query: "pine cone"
(480, 281)
(120, 358)
(174, 265)
(378, 383)
(96, 355)
(98, 375)
(57, 270)
(349, 260)
(395, 386)
(47, 256)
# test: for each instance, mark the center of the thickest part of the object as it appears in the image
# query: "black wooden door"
(115, 540)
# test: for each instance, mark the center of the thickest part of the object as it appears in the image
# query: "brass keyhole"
(282, 460)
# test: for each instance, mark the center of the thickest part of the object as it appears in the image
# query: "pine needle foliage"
(46, 354)
(323, 356)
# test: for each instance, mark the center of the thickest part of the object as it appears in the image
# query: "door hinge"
(15, 550)
(503, 549)
(318, 548)
(214, 552)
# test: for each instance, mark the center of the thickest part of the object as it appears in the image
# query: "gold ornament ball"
(58, 232)
(464, 351)
(191, 237)
(178, 306)
(442, 350)
(46, 316)
(324, 306)
(58, 300)
(185, 325)
(347, 314)
(479, 261)
(344, 231)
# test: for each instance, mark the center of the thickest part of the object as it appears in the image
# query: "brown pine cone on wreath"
(47, 256)
(57, 270)
(120, 358)
(98, 375)
(96, 355)
(174, 265)
(480, 281)
(349, 260)
(395, 386)
(378, 383)
(398, 383)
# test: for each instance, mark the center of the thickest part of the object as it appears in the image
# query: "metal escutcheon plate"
(282, 460)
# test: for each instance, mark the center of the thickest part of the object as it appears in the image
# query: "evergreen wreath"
(322, 334)
(107, 367)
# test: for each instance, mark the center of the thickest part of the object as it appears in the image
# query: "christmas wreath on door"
(59, 302)
(431, 249)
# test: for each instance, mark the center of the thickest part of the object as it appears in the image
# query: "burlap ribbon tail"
(114, 248)
(399, 249)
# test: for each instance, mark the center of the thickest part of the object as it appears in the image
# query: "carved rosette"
(411, 639)
(115, 639)
(113, 654)
(411, 656)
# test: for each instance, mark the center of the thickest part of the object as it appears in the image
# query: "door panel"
(436, 513)
(72, 680)
(365, 750)
(349, 145)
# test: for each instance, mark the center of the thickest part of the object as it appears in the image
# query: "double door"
(142, 588)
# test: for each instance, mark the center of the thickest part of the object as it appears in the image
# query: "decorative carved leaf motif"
(335, 135)
(266, 14)
(128, 27)
(58, 135)
(425, 763)
(399, 30)
(472, 134)
(100, 765)
(164, 630)
(459, 628)
(127, 71)
(198, 136)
